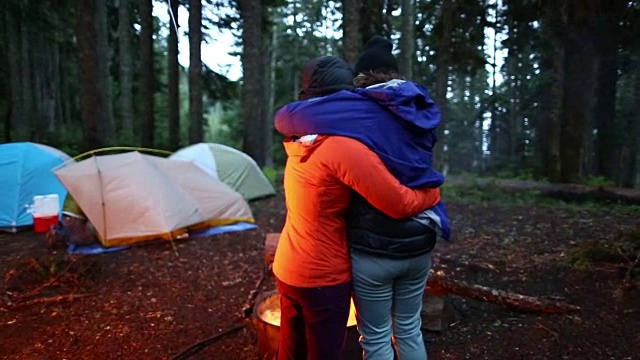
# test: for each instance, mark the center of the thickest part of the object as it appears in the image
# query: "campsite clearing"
(154, 300)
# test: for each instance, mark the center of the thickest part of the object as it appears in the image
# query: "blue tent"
(25, 171)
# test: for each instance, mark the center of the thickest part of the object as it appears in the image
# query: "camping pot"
(266, 321)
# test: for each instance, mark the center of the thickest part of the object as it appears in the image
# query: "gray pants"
(388, 296)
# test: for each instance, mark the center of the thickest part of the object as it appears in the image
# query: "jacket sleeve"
(303, 118)
(283, 121)
(361, 169)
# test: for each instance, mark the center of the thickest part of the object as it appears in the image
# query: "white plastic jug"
(45, 205)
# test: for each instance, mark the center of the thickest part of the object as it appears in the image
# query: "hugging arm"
(361, 169)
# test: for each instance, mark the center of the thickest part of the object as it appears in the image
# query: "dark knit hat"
(376, 56)
(325, 75)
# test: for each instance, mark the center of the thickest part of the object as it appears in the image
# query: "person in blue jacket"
(391, 259)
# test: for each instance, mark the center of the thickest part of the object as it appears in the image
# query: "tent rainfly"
(134, 197)
(231, 166)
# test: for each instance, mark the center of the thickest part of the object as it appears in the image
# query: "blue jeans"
(387, 294)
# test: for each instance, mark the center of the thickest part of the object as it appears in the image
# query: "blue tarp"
(242, 226)
(99, 249)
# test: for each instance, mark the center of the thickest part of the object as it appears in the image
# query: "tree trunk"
(438, 283)
(634, 173)
(554, 27)
(545, 118)
(5, 83)
(147, 77)
(57, 86)
(515, 122)
(606, 144)
(69, 92)
(91, 104)
(407, 39)
(581, 65)
(195, 72)
(494, 138)
(373, 16)
(631, 162)
(173, 70)
(104, 63)
(126, 72)
(253, 114)
(26, 88)
(295, 62)
(44, 75)
(270, 94)
(351, 35)
(16, 103)
(442, 82)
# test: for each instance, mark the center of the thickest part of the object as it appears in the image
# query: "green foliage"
(598, 181)
(490, 194)
(467, 189)
(224, 124)
(274, 175)
(583, 259)
(518, 174)
(625, 247)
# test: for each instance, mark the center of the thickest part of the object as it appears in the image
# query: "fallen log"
(439, 284)
(565, 192)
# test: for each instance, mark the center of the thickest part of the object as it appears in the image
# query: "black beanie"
(376, 56)
(325, 75)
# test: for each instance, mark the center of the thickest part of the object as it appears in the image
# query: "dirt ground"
(155, 300)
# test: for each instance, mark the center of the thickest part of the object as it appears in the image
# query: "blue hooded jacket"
(397, 120)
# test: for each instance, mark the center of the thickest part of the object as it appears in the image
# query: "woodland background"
(529, 89)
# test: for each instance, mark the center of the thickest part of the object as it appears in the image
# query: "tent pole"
(104, 209)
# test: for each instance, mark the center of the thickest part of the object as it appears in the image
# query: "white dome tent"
(133, 197)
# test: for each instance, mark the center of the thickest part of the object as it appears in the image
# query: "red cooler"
(46, 212)
(42, 224)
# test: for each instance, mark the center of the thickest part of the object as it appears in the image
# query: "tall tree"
(407, 39)
(630, 159)
(553, 60)
(104, 64)
(126, 71)
(351, 35)
(443, 60)
(253, 81)
(92, 103)
(375, 20)
(173, 69)
(195, 72)
(147, 74)
(606, 121)
(16, 103)
(580, 76)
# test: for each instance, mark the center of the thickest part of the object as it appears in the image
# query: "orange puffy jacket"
(318, 178)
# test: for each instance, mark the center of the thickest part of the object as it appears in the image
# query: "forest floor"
(153, 301)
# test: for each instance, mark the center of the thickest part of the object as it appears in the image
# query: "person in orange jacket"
(312, 264)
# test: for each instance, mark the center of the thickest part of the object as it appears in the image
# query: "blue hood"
(409, 101)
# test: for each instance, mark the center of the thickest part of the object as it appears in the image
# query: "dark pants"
(313, 321)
